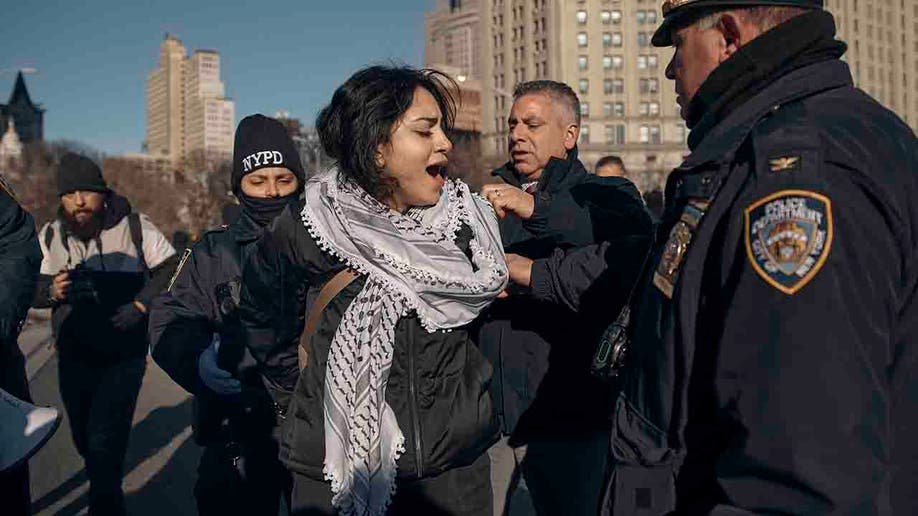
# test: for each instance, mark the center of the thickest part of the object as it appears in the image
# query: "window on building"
(585, 133)
(648, 85)
(582, 39)
(616, 17)
(583, 63)
(607, 86)
(641, 16)
(585, 109)
(644, 134)
(616, 39)
(651, 17)
(584, 86)
(652, 62)
(606, 39)
(618, 86)
(655, 134)
(618, 62)
(615, 134)
(618, 109)
(642, 62)
(606, 62)
(654, 109)
(643, 39)
(605, 17)
(582, 17)
(643, 108)
(607, 109)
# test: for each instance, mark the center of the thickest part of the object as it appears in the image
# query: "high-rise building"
(452, 36)
(601, 49)
(188, 114)
(209, 116)
(452, 44)
(882, 37)
(165, 103)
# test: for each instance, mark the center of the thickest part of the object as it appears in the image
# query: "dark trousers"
(100, 400)
(464, 491)
(241, 479)
(14, 483)
(566, 475)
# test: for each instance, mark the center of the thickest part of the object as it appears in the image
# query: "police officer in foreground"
(772, 358)
(194, 338)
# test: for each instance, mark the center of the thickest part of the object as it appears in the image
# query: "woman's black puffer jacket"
(438, 384)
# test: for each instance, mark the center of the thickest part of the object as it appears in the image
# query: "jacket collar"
(718, 142)
(244, 229)
(555, 173)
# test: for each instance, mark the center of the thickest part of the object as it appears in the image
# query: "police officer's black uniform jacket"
(772, 366)
(438, 383)
(541, 351)
(202, 300)
(20, 258)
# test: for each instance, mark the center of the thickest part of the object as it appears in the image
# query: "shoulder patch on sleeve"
(788, 236)
(178, 269)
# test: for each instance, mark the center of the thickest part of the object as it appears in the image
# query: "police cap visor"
(677, 11)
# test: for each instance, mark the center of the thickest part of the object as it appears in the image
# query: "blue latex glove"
(216, 379)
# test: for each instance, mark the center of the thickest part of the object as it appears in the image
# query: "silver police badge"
(788, 237)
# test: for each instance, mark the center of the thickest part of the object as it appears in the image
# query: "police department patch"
(788, 236)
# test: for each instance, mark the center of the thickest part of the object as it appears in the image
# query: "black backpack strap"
(49, 235)
(137, 238)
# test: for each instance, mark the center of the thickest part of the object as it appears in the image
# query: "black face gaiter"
(263, 211)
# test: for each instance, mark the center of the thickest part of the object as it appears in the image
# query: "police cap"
(677, 10)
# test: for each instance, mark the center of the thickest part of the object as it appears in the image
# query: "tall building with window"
(209, 116)
(452, 36)
(601, 48)
(188, 113)
(882, 37)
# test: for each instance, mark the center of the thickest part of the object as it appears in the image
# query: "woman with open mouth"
(388, 410)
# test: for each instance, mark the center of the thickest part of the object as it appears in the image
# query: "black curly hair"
(363, 111)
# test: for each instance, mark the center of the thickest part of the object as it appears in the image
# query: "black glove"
(126, 317)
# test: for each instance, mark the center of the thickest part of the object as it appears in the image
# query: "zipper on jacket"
(413, 407)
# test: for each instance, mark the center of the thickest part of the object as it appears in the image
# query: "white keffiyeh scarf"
(412, 263)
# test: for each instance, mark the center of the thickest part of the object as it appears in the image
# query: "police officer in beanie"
(772, 365)
(195, 339)
(102, 263)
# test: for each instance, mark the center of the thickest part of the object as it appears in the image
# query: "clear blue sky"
(93, 57)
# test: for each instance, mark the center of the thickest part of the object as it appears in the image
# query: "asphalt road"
(161, 456)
